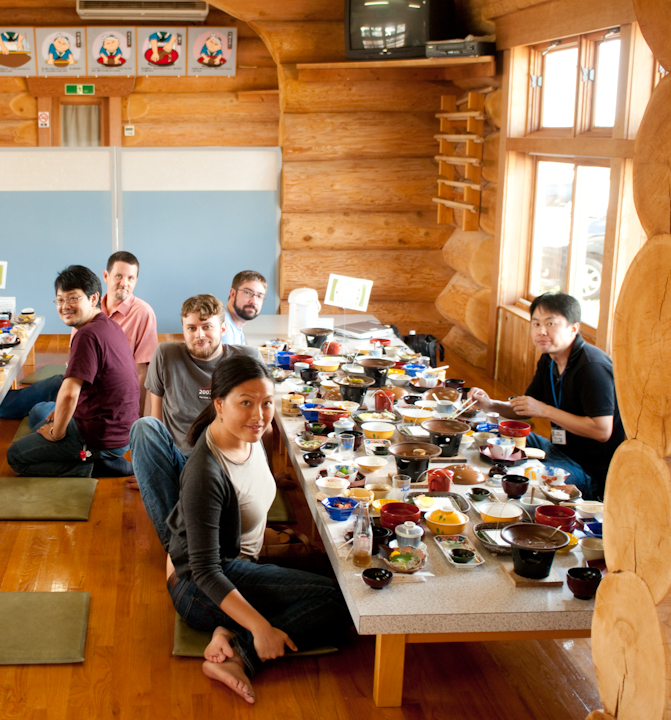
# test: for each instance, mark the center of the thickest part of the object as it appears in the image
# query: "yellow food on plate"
(423, 501)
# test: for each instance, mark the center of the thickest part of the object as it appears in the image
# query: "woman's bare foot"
(219, 648)
(231, 672)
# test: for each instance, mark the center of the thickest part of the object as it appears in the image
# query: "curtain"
(80, 125)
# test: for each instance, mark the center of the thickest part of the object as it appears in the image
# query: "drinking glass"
(401, 483)
(346, 450)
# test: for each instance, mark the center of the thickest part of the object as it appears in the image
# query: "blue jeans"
(309, 608)
(556, 458)
(19, 403)
(35, 456)
(157, 463)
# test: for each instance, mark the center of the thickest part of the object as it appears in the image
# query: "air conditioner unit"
(127, 10)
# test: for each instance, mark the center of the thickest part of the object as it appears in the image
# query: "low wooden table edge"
(25, 357)
(390, 655)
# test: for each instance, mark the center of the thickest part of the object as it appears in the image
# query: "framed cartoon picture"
(111, 51)
(17, 52)
(161, 51)
(212, 51)
(59, 51)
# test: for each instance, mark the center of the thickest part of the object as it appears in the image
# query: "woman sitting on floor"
(218, 524)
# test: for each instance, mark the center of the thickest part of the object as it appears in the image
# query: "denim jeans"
(309, 608)
(35, 456)
(19, 403)
(556, 458)
(157, 463)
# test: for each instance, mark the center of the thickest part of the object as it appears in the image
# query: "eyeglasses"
(249, 294)
(67, 301)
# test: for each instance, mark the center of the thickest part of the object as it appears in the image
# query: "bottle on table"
(362, 553)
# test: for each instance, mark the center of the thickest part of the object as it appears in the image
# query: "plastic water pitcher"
(304, 310)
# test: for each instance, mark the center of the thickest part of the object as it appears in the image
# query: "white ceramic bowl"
(427, 382)
(379, 489)
(588, 510)
(332, 486)
(592, 548)
(481, 438)
(466, 442)
(500, 449)
(399, 380)
(370, 463)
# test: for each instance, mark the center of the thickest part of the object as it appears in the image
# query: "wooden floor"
(129, 671)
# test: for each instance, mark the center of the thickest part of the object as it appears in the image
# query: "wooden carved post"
(631, 631)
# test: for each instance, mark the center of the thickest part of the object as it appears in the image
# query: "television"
(387, 29)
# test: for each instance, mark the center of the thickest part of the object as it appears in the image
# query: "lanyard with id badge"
(557, 434)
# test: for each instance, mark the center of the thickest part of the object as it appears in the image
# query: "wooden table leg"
(30, 358)
(389, 665)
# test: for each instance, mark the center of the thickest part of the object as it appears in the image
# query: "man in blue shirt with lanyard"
(574, 389)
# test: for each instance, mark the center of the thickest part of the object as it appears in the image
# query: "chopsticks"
(466, 407)
(438, 369)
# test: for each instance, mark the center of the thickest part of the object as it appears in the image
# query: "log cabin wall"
(359, 173)
(166, 111)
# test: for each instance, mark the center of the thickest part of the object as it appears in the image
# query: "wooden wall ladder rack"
(463, 192)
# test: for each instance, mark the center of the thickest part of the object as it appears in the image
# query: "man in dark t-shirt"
(87, 429)
(573, 388)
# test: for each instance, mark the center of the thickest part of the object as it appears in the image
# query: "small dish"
(309, 445)
(376, 446)
(339, 508)
(500, 448)
(461, 555)
(377, 578)
(573, 541)
(343, 471)
(446, 522)
(449, 543)
(499, 512)
(517, 458)
(380, 502)
(393, 544)
(370, 463)
(378, 430)
(593, 530)
(331, 486)
(314, 458)
(402, 560)
(592, 548)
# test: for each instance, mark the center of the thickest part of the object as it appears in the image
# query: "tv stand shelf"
(419, 68)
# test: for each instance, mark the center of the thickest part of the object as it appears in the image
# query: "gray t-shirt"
(184, 384)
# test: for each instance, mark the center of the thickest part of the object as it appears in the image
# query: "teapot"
(440, 480)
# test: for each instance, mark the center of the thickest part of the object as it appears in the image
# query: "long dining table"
(22, 354)
(451, 604)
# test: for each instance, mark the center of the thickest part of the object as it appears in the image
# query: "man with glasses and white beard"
(245, 300)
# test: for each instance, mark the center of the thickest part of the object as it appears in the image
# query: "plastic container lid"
(408, 529)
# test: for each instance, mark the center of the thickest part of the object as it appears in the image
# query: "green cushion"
(43, 374)
(192, 643)
(46, 498)
(22, 430)
(43, 627)
(281, 510)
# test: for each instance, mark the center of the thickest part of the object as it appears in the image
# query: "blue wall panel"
(44, 232)
(195, 242)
